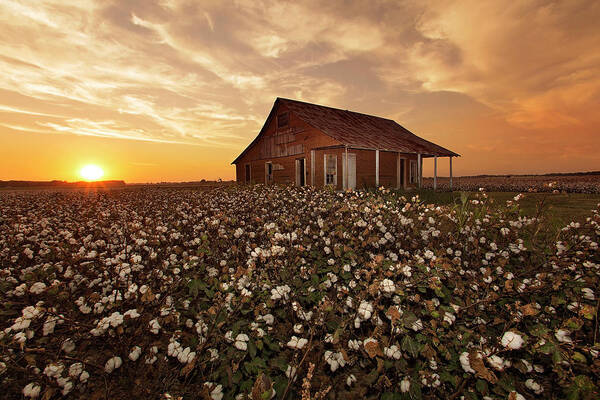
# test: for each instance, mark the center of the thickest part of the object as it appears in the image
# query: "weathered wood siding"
(306, 135)
(284, 170)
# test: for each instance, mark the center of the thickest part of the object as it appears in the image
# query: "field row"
(518, 183)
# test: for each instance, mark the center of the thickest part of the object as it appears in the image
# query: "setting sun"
(91, 172)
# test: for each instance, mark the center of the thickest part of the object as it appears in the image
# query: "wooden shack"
(310, 144)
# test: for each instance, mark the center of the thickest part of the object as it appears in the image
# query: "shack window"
(283, 120)
(413, 171)
(330, 169)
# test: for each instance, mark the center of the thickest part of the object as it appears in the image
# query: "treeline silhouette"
(61, 184)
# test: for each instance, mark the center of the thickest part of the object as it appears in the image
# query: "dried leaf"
(189, 367)
(477, 364)
(373, 349)
(262, 385)
(529, 310)
(394, 314)
(148, 296)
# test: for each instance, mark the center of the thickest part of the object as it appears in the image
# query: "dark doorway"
(300, 172)
(247, 173)
(402, 172)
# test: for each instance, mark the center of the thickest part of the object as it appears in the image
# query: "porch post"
(312, 168)
(434, 172)
(450, 172)
(419, 169)
(377, 168)
(345, 168)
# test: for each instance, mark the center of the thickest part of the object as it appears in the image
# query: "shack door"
(300, 172)
(351, 171)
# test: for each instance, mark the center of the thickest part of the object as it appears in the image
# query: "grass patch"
(559, 208)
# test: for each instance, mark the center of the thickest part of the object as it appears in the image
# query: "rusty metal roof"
(358, 130)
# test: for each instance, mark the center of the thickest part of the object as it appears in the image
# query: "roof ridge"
(334, 108)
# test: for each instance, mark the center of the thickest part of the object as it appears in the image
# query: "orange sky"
(172, 90)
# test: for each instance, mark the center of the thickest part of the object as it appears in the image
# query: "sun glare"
(91, 172)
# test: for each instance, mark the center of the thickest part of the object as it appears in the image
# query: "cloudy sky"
(175, 89)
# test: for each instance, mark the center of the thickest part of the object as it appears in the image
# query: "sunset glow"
(91, 172)
(175, 90)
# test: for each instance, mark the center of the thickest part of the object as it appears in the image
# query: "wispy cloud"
(206, 73)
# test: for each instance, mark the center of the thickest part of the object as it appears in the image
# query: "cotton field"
(278, 292)
(563, 183)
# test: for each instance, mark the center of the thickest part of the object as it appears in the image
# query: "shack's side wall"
(284, 170)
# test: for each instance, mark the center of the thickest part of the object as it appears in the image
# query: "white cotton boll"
(516, 396)
(131, 313)
(68, 346)
(354, 344)
(298, 328)
(588, 294)
(449, 318)
(183, 355)
(241, 341)
(405, 385)
(135, 353)
(350, 380)
(512, 340)
(84, 376)
(280, 292)
(290, 372)
(20, 290)
(217, 392)
(269, 319)
(392, 352)
(37, 288)
(53, 370)
(496, 362)
(365, 310)
(112, 364)
(527, 365)
(387, 286)
(66, 384)
(30, 312)
(297, 343)
(563, 336)
(85, 309)
(31, 390)
(335, 360)
(465, 363)
(20, 337)
(20, 324)
(417, 325)
(214, 354)
(49, 326)
(75, 370)
(534, 386)
(154, 326)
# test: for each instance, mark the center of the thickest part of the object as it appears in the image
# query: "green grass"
(560, 208)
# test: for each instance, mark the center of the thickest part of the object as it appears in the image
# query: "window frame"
(334, 183)
(287, 119)
(413, 177)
